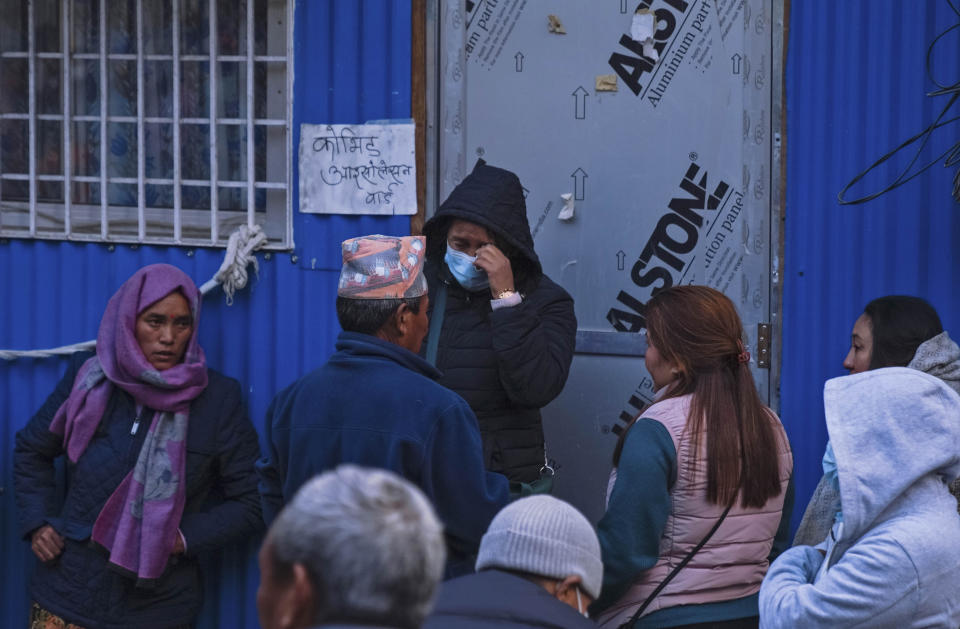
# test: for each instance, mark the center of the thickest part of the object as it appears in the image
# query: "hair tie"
(744, 355)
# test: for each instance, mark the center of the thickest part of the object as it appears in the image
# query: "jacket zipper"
(136, 423)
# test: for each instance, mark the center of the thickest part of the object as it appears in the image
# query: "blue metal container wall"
(352, 63)
(855, 89)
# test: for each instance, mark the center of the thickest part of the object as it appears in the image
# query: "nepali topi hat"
(383, 267)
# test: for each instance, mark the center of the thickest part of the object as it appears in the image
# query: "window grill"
(145, 121)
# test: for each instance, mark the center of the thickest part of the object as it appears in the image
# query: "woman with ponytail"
(699, 490)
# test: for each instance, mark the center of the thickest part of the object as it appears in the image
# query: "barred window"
(145, 121)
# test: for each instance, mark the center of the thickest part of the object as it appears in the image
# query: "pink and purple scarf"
(138, 525)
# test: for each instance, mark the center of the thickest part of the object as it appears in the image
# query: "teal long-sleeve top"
(631, 529)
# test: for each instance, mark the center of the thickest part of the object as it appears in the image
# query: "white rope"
(232, 276)
(65, 350)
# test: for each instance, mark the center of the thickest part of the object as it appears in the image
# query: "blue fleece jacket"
(894, 560)
(376, 404)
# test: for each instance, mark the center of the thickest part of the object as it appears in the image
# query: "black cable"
(929, 65)
(951, 156)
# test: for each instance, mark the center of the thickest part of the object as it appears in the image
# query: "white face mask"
(580, 608)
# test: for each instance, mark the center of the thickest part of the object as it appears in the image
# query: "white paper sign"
(358, 169)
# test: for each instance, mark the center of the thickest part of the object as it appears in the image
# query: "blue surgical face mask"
(830, 466)
(463, 270)
(830, 472)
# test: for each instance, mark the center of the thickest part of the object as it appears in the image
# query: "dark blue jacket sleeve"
(534, 342)
(631, 529)
(237, 514)
(465, 495)
(34, 452)
(270, 470)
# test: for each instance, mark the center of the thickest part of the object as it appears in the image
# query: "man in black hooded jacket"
(507, 333)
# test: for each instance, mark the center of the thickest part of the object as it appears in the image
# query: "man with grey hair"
(355, 546)
(539, 566)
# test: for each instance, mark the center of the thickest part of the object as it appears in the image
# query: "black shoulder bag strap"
(673, 573)
(436, 322)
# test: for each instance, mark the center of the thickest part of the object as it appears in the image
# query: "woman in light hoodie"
(892, 331)
(892, 558)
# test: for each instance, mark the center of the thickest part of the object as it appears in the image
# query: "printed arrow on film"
(519, 58)
(736, 62)
(580, 103)
(623, 6)
(621, 257)
(579, 183)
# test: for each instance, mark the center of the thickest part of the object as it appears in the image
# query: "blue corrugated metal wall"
(856, 88)
(352, 63)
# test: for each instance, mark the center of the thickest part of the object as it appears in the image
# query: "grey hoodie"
(938, 356)
(895, 561)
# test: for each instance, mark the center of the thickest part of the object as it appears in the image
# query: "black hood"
(491, 197)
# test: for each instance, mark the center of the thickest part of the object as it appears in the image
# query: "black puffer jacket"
(510, 362)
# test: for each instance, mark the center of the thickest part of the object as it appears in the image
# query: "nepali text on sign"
(358, 169)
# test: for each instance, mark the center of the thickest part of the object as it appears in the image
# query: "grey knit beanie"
(546, 537)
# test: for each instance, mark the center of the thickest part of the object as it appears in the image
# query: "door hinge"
(764, 334)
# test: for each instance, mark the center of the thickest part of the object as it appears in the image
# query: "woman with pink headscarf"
(159, 467)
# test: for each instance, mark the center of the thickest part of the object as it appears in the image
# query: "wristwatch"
(506, 293)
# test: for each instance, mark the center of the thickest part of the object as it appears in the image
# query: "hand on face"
(497, 267)
(476, 241)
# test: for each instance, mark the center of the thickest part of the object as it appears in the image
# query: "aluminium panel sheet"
(665, 165)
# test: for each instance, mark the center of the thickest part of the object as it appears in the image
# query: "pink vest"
(741, 544)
